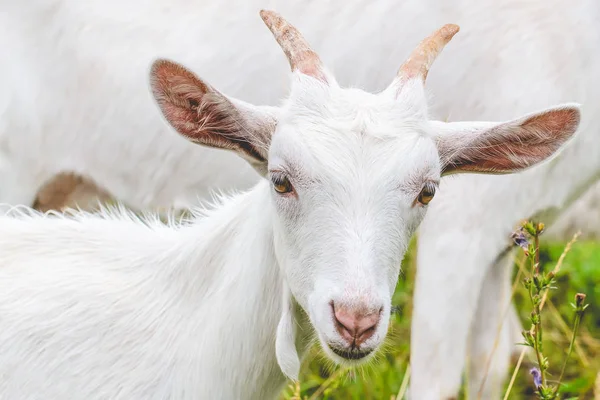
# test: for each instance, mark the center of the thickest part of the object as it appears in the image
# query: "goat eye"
(282, 185)
(427, 193)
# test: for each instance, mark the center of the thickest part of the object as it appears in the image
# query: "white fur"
(114, 306)
(108, 305)
(73, 77)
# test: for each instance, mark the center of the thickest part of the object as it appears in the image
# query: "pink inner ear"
(515, 146)
(179, 94)
(197, 111)
(560, 124)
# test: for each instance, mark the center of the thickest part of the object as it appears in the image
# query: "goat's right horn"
(299, 53)
(420, 60)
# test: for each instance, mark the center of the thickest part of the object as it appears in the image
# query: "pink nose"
(355, 325)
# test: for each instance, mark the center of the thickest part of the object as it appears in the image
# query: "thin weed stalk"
(404, 385)
(538, 284)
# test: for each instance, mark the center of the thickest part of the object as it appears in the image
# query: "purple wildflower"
(537, 377)
(521, 240)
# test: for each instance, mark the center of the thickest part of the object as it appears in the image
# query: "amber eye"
(427, 193)
(282, 185)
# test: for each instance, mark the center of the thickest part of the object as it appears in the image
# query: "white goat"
(73, 99)
(463, 284)
(111, 307)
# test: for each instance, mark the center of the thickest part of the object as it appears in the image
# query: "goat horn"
(293, 44)
(423, 56)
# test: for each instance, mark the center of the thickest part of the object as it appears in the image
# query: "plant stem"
(536, 339)
(537, 327)
(542, 302)
(571, 345)
(537, 253)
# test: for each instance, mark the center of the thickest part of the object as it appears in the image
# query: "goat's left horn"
(296, 48)
(420, 60)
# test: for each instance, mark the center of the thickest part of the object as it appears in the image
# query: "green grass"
(382, 379)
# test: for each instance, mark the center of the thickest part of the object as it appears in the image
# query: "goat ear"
(204, 116)
(502, 148)
(285, 342)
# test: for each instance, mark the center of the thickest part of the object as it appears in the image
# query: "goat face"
(351, 174)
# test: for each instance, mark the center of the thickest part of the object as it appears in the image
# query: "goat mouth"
(353, 354)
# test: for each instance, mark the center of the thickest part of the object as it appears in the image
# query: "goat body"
(103, 306)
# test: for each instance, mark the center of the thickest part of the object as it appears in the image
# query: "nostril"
(344, 323)
(367, 326)
(353, 325)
